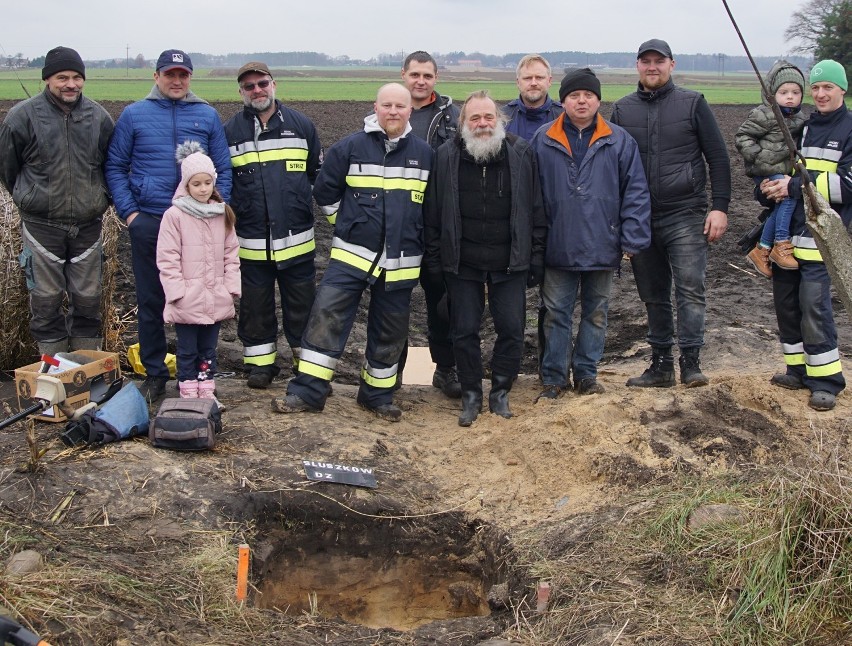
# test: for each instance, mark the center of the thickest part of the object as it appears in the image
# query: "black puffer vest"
(663, 125)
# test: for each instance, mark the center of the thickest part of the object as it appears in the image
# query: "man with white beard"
(276, 156)
(485, 228)
(598, 212)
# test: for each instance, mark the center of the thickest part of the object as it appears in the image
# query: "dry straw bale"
(17, 347)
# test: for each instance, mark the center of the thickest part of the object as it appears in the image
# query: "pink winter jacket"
(199, 268)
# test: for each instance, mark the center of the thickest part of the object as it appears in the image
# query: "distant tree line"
(823, 28)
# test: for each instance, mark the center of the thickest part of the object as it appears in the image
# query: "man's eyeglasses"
(248, 87)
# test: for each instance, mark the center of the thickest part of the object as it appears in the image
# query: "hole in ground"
(380, 573)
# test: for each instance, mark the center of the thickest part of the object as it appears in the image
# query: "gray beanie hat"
(787, 74)
(60, 59)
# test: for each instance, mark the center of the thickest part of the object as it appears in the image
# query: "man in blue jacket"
(142, 175)
(371, 187)
(598, 210)
(533, 107)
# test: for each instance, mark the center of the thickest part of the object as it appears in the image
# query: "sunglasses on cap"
(248, 87)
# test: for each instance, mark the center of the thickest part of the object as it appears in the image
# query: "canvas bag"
(185, 424)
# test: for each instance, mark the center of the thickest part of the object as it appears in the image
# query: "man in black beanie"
(47, 156)
(598, 211)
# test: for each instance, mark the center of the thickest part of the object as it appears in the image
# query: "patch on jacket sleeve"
(413, 162)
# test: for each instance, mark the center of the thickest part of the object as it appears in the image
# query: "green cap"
(831, 72)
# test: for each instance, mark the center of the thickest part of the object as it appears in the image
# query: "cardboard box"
(77, 382)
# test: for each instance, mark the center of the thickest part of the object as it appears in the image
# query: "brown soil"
(446, 496)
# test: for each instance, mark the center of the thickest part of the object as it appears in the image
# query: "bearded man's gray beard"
(484, 149)
(259, 105)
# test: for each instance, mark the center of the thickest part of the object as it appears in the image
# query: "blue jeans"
(559, 293)
(678, 254)
(777, 225)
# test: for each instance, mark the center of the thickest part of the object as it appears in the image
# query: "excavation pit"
(380, 573)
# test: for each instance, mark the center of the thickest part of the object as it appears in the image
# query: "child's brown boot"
(782, 255)
(759, 259)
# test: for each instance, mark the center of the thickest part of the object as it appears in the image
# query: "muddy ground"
(449, 500)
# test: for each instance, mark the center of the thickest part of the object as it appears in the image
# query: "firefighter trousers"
(806, 326)
(257, 326)
(330, 322)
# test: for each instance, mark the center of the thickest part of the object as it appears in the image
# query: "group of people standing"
(477, 204)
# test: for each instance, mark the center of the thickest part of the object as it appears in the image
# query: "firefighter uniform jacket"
(374, 199)
(827, 149)
(273, 170)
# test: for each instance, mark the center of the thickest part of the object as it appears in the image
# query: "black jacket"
(442, 218)
(53, 163)
(273, 172)
(676, 133)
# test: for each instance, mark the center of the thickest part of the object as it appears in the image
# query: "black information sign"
(340, 473)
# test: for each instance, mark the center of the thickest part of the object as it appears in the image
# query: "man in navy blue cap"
(142, 174)
(679, 140)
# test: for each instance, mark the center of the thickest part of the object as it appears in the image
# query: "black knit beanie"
(581, 79)
(60, 59)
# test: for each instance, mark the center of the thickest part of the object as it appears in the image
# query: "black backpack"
(186, 424)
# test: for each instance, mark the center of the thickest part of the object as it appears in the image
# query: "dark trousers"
(60, 261)
(506, 302)
(196, 350)
(150, 298)
(677, 256)
(328, 328)
(806, 326)
(257, 327)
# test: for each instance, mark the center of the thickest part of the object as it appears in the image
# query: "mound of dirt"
(137, 510)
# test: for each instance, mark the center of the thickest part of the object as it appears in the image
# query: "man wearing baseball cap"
(677, 135)
(52, 152)
(803, 298)
(276, 156)
(142, 174)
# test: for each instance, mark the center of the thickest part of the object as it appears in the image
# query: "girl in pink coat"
(197, 255)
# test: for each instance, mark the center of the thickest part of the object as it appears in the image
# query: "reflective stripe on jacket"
(827, 149)
(375, 200)
(274, 168)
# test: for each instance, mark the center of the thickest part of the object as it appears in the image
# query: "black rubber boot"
(498, 398)
(660, 374)
(471, 399)
(690, 368)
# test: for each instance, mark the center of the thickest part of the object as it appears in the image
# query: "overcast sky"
(99, 29)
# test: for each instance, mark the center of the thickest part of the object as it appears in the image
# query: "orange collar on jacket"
(557, 131)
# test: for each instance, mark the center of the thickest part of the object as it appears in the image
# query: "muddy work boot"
(261, 376)
(549, 392)
(788, 381)
(153, 388)
(588, 386)
(821, 400)
(782, 255)
(446, 380)
(690, 369)
(759, 259)
(387, 412)
(292, 404)
(660, 374)
(471, 405)
(498, 398)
